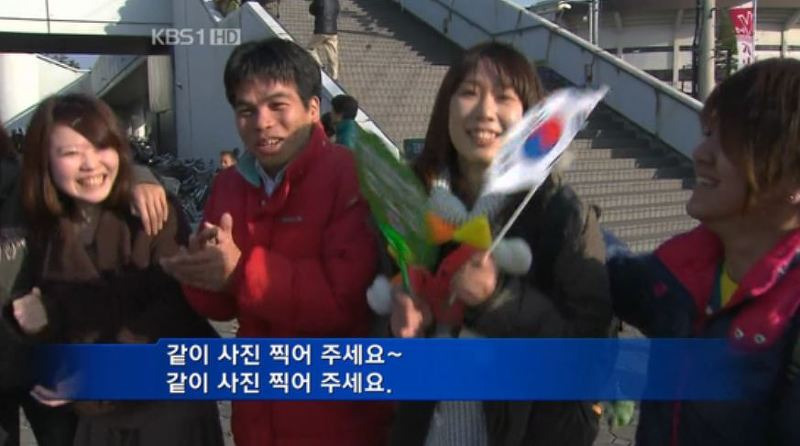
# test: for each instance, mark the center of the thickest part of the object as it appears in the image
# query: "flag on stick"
(536, 142)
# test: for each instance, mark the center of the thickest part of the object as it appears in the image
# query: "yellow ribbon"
(475, 232)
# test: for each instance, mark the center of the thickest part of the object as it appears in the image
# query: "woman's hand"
(47, 397)
(476, 280)
(410, 317)
(150, 204)
(30, 313)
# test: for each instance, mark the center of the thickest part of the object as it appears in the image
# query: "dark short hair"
(757, 114)
(345, 105)
(233, 153)
(95, 121)
(514, 70)
(273, 59)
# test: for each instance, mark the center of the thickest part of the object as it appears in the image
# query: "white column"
(618, 25)
(676, 49)
(790, 22)
(705, 74)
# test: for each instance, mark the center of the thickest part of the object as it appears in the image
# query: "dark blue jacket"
(667, 293)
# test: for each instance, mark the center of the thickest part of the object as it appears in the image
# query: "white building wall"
(657, 29)
(53, 77)
(19, 84)
(86, 17)
(25, 79)
(204, 119)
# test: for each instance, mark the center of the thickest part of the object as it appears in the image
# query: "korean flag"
(535, 143)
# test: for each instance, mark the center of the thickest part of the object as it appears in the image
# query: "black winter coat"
(564, 294)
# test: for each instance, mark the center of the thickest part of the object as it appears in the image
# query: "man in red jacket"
(286, 246)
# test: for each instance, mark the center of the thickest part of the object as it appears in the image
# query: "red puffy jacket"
(308, 256)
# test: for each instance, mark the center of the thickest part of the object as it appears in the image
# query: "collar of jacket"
(296, 168)
(770, 287)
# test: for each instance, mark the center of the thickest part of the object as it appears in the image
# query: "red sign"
(744, 27)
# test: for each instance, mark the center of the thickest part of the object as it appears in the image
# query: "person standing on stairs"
(324, 44)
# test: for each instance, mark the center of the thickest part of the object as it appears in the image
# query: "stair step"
(637, 198)
(613, 175)
(632, 229)
(643, 212)
(602, 142)
(632, 186)
(611, 133)
(622, 163)
(615, 153)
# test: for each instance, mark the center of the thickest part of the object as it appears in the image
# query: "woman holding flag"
(562, 292)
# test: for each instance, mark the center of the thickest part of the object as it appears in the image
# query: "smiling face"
(273, 122)
(481, 109)
(79, 169)
(720, 190)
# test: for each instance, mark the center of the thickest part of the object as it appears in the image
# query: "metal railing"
(330, 88)
(667, 114)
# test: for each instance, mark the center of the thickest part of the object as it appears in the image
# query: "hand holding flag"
(535, 143)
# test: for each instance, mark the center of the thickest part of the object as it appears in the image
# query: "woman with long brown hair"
(564, 293)
(94, 268)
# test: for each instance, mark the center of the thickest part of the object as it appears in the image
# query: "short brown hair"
(757, 114)
(96, 122)
(515, 71)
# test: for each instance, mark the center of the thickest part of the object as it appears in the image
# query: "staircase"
(393, 64)
(640, 186)
(389, 61)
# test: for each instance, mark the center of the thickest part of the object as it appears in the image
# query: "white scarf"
(446, 205)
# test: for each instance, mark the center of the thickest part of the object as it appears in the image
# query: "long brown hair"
(514, 70)
(94, 120)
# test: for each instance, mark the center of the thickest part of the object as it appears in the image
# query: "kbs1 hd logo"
(190, 36)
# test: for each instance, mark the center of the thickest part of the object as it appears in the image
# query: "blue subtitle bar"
(396, 369)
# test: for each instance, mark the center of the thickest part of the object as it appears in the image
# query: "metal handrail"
(608, 57)
(659, 119)
(593, 49)
(328, 83)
